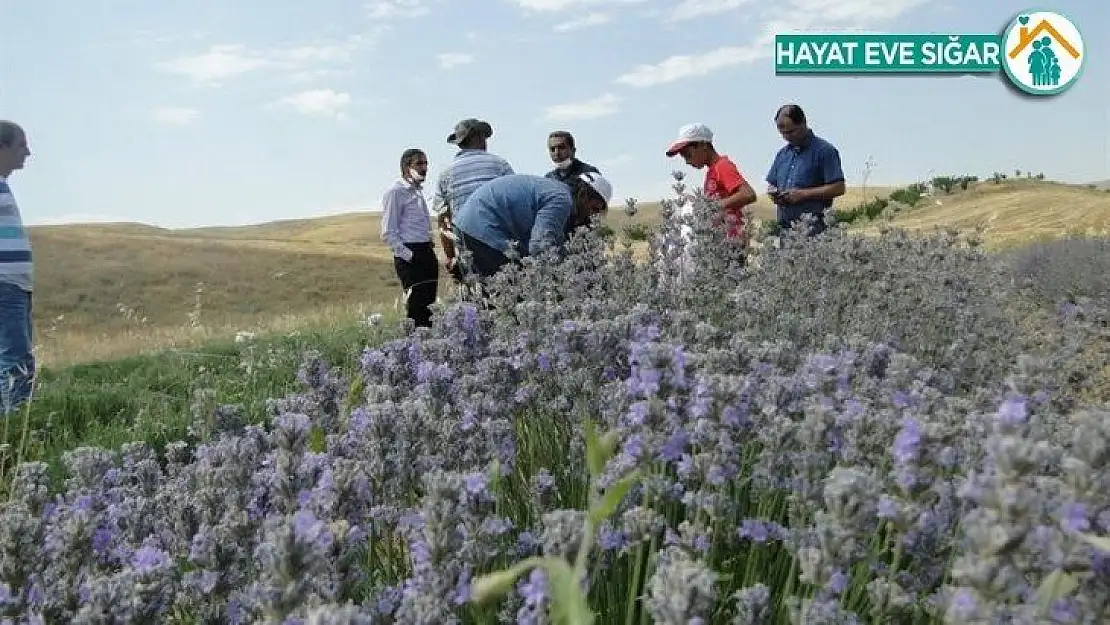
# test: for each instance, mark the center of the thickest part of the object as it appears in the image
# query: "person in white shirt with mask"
(407, 228)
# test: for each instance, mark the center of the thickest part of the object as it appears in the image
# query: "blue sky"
(229, 112)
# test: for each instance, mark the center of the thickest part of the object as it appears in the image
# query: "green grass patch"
(901, 199)
(154, 397)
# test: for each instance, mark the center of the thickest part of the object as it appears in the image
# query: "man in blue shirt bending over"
(536, 213)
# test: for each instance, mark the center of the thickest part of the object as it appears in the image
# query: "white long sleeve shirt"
(405, 218)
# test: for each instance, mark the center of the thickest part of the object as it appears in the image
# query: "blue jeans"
(17, 363)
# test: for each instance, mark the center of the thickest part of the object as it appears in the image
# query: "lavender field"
(892, 429)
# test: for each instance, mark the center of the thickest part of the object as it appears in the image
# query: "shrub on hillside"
(839, 430)
(864, 211)
(949, 183)
(898, 200)
(910, 195)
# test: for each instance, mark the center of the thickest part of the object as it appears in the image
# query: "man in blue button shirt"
(806, 174)
(535, 212)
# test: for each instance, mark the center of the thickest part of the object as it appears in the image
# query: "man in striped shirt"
(472, 166)
(17, 362)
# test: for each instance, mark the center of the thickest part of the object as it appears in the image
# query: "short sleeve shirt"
(722, 179)
(813, 164)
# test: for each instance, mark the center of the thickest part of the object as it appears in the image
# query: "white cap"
(690, 133)
(598, 183)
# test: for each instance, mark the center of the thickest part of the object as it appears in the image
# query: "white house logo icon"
(1043, 52)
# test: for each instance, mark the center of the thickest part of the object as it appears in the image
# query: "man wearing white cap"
(723, 181)
(535, 212)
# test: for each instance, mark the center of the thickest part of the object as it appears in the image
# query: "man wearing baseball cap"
(723, 181)
(535, 212)
(472, 166)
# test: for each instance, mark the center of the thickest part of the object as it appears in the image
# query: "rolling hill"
(105, 290)
(1013, 212)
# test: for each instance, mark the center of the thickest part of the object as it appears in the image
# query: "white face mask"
(415, 175)
(564, 164)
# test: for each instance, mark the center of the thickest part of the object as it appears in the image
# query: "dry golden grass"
(108, 290)
(1012, 213)
(105, 290)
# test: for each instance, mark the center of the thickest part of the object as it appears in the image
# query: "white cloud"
(318, 102)
(586, 21)
(318, 73)
(447, 60)
(693, 9)
(391, 9)
(600, 106)
(325, 53)
(219, 63)
(839, 14)
(174, 116)
(225, 61)
(690, 65)
(792, 16)
(562, 5)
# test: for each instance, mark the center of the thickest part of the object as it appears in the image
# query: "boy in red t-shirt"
(723, 181)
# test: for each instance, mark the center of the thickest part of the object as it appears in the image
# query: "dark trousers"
(420, 278)
(789, 222)
(484, 260)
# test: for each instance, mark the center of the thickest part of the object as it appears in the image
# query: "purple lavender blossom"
(836, 430)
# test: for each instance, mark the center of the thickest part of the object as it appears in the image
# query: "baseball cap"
(464, 129)
(690, 133)
(598, 183)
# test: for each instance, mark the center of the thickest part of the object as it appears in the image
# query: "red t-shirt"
(722, 179)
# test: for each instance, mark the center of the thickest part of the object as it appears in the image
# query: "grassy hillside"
(103, 292)
(109, 290)
(1011, 212)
